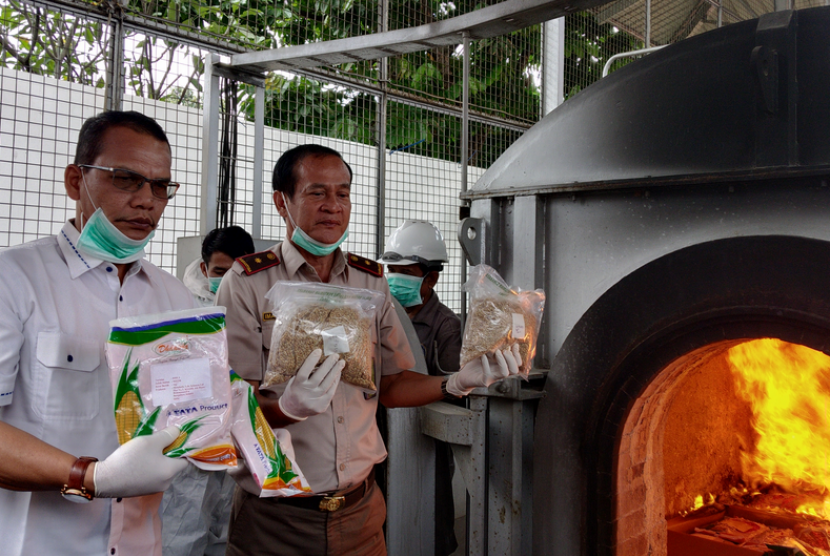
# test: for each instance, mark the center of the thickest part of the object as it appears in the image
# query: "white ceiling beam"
(498, 19)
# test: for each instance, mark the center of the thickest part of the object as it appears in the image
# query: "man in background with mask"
(196, 508)
(332, 424)
(220, 248)
(415, 254)
(57, 297)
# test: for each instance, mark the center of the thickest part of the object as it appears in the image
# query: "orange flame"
(788, 388)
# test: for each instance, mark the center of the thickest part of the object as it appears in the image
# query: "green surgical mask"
(302, 239)
(213, 282)
(102, 240)
(405, 288)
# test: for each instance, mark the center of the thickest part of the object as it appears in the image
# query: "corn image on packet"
(172, 369)
(268, 454)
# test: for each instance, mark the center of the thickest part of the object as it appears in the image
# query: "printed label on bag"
(518, 325)
(335, 340)
(181, 381)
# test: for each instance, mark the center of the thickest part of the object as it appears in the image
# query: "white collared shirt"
(55, 309)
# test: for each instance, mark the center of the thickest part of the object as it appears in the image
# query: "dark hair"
(232, 241)
(91, 136)
(284, 179)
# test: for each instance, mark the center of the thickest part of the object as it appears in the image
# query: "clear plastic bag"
(172, 369)
(335, 319)
(268, 454)
(500, 316)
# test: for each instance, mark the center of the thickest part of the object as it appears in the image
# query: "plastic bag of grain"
(268, 454)
(336, 319)
(172, 369)
(500, 316)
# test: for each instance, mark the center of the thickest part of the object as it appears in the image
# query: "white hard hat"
(415, 241)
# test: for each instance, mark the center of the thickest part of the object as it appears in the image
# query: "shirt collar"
(427, 312)
(294, 260)
(68, 241)
(80, 263)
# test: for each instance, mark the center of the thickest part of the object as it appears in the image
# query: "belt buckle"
(332, 503)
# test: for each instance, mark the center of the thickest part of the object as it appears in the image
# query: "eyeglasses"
(127, 180)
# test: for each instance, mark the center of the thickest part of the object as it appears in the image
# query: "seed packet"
(500, 316)
(268, 454)
(172, 369)
(335, 319)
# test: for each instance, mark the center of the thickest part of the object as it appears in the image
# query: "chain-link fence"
(154, 53)
(397, 121)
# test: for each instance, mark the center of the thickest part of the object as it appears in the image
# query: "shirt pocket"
(267, 332)
(377, 356)
(70, 382)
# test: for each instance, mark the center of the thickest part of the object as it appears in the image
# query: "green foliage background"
(504, 80)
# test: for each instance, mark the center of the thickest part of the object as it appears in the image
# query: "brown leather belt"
(332, 502)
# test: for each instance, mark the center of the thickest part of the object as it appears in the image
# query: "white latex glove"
(482, 372)
(310, 391)
(138, 467)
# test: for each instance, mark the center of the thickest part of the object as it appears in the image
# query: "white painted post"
(553, 68)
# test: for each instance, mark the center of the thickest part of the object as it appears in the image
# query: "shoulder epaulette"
(255, 262)
(366, 265)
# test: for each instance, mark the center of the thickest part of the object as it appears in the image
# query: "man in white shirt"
(57, 296)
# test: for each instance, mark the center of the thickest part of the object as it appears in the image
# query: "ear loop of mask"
(285, 202)
(88, 196)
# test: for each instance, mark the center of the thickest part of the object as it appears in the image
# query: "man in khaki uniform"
(332, 424)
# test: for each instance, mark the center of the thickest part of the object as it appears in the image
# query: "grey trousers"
(194, 513)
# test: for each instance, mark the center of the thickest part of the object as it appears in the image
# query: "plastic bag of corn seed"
(335, 319)
(172, 369)
(268, 454)
(500, 316)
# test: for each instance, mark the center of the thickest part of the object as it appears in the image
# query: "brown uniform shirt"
(337, 448)
(439, 331)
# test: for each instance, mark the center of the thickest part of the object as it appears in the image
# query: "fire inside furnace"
(773, 491)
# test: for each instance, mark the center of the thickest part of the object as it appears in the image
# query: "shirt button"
(109, 269)
(340, 420)
(342, 467)
(118, 499)
(112, 551)
(120, 298)
(69, 358)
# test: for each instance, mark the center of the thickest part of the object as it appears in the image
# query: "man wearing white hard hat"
(415, 254)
